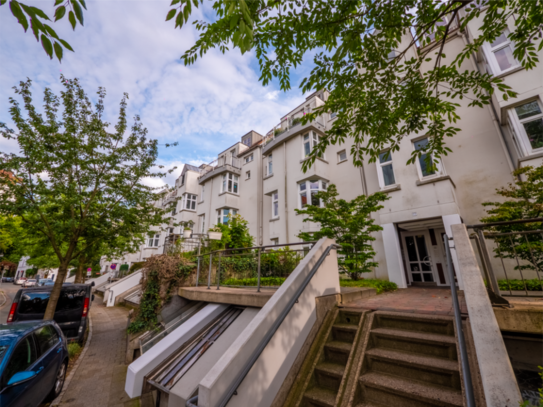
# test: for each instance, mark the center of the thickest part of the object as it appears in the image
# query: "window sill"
(229, 193)
(391, 188)
(318, 158)
(187, 210)
(342, 161)
(538, 154)
(267, 176)
(509, 72)
(201, 202)
(153, 248)
(435, 179)
(274, 219)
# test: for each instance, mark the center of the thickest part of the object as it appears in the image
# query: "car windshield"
(36, 302)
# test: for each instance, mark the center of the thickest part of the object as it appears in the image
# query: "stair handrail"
(464, 362)
(192, 402)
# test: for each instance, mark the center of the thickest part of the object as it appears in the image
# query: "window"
(269, 166)
(230, 183)
(341, 156)
(275, 205)
(333, 115)
(182, 179)
(202, 223)
(247, 140)
(444, 21)
(170, 230)
(308, 190)
(311, 140)
(426, 165)
(203, 192)
(249, 158)
(528, 121)
(23, 356)
(46, 338)
(275, 241)
(174, 208)
(385, 172)
(500, 54)
(153, 241)
(223, 215)
(248, 175)
(189, 201)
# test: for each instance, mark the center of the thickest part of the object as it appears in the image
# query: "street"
(9, 290)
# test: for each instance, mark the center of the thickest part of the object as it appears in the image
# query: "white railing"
(221, 162)
(123, 285)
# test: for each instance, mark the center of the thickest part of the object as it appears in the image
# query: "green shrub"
(379, 285)
(73, 349)
(253, 282)
(518, 285)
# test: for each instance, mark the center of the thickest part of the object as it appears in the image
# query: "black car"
(72, 308)
(33, 362)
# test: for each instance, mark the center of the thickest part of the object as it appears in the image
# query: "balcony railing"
(221, 162)
(288, 123)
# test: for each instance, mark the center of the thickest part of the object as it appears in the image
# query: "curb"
(58, 400)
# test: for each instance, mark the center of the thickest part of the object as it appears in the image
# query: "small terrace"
(222, 164)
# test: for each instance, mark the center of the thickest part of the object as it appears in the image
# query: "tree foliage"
(76, 181)
(350, 224)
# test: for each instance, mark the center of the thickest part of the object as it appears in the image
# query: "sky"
(126, 46)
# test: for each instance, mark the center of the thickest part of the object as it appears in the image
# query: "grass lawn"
(380, 285)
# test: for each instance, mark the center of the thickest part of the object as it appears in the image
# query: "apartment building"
(261, 178)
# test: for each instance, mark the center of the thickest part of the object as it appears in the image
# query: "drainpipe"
(286, 189)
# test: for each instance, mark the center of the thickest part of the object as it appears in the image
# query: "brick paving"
(420, 300)
(99, 379)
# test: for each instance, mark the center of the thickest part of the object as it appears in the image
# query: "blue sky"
(126, 46)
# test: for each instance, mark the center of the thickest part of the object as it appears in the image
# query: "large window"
(527, 119)
(385, 171)
(223, 215)
(499, 54)
(153, 240)
(189, 201)
(230, 183)
(269, 165)
(307, 191)
(275, 205)
(427, 165)
(311, 140)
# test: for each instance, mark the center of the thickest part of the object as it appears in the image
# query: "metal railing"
(511, 257)
(221, 162)
(464, 362)
(251, 265)
(192, 402)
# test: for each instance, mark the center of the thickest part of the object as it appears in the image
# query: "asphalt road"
(9, 290)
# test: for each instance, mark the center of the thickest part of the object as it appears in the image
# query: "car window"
(23, 356)
(47, 337)
(33, 303)
(71, 299)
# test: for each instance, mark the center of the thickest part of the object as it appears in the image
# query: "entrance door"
(419, 261)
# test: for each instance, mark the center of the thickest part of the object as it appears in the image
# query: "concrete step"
(337, 352)
(318, 397)
(430, 344)
(433, 324)
(348, 317)
(329, 375)
(344, 332)
(401, 392)
(425, 369)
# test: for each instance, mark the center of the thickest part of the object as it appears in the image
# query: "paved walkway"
(419, 300)
(99, 378)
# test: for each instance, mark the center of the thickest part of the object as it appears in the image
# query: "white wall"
(121, 286)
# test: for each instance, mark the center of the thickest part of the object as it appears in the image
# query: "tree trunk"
(79, 274)
(55, 294)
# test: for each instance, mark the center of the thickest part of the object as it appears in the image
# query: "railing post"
(198, 272)
(258, 276)
(493, 282)
(218, 273)
(209, 273)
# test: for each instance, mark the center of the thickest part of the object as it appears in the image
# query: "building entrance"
(418, 257)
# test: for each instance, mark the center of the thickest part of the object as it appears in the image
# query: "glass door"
(419, 262)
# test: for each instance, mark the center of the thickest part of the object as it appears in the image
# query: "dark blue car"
(33, 363)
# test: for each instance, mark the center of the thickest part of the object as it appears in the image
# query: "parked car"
(20, 281)
(30, 283)
(7, 279)
(33, 362)
(72, 308)
(45, 282)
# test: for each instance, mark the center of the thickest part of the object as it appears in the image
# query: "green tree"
(75, 177)
(524, 200)
(11, 233)
(350, 224)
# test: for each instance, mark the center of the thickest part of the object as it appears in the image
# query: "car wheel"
(59, 383)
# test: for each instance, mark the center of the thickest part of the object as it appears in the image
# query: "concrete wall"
(121, 286)
(268, 373)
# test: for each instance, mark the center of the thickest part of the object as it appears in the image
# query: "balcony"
(222, 164)
(171, 197)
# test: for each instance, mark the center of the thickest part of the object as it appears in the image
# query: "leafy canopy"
(350, 223)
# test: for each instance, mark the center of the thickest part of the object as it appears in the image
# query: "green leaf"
(83, 4)
(47, 46)
(58, 51)
(171, 14)
(78, 11)
(34, 23)
(2, 2)
(59, 13)
(71, 17)
(18, 13)
(179, 20)
(40, 13)
(57, 2)
(50, 31)
(174, 2)
(66, 45)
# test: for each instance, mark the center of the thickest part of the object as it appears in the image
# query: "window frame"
(221, 214)
(202, 219)
(189, 199)
(439, 167)
(380, 172)
(339, 160)
(248, 175)
(518, 130)
(322, 186)
(490, 57)
(202, 194)
(275, 205)
(313, 139)
(153, 239)
(249, 158)
(230, 183)
(269, 165)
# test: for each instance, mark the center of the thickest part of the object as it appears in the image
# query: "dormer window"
(247, 140)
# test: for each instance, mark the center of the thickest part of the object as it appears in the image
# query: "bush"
(73, 349)
(253, 282)
(379, 285)
(518, 285)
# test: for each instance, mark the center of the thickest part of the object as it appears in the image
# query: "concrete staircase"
(408, 360)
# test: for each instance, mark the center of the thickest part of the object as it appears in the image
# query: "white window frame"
(249, 158)
(189, 201)
(322, 186)
(202, 223)
(230, 183)
(380, 173)
(517, 125)
(173, 208)
(202, 195)
(339, 159)
(490, 57)
(311, 142)
(275, 205)
(439, 167)
(248, 175)
(152, 241)
(225, 212)
(269, 165)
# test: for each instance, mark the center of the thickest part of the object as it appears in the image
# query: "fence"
(511, 257)
(260, 267)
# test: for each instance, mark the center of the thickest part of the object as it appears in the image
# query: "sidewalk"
(99, 379)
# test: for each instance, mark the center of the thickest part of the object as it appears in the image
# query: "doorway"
(420, 267)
